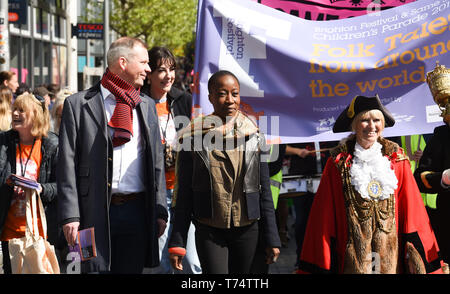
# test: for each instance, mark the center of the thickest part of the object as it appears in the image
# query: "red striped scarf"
(127, 98)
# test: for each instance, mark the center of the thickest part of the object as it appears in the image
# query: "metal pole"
(87, 81)
(106, 31)
(4, 39)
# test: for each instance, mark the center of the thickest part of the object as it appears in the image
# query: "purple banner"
(331, 9)
(297, 75)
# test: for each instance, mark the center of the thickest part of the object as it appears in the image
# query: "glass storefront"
(38, 49)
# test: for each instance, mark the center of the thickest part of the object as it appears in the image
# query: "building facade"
(40, 48)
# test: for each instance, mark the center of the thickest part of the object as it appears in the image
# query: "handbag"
(33, 254)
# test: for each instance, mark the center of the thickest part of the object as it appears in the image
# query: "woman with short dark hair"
(223, 187)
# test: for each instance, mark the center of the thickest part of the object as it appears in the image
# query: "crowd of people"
(124, 158)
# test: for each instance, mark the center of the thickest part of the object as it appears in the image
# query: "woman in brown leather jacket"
(223, 186)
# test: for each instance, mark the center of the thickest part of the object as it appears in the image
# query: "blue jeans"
(191, 263)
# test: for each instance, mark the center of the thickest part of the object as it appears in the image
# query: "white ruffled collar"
(370, 165)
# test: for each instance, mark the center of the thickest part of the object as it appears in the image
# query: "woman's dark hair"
(212, 82)
(159, 55)
(22, 89)
(6, 75)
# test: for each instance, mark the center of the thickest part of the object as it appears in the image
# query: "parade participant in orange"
(28, 150)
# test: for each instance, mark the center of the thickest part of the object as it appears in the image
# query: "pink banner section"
(24, 73)
(331, 9)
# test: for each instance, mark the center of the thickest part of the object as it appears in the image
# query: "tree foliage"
(168, 23)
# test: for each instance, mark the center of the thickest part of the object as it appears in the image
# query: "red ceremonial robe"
(326, 236)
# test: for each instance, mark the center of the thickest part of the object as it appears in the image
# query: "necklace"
(22, 167)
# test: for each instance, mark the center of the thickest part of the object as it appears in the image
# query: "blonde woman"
(56, 111)
(368, 215)
(6, 97)
(29, 150)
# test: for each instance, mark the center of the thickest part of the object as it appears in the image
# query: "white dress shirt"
(128, 158)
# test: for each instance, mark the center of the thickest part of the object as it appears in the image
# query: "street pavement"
(285, 263)
(287, 259)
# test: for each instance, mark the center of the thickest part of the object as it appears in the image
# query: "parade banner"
(331, 9)
(297, 75)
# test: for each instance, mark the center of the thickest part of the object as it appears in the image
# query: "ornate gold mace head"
(438, 81)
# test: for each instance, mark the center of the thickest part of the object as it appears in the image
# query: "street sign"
(18, 11)
(88, 31)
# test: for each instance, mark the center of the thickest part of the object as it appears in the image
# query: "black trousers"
(226, 251)
(259, 265)
(439, 222)
(6, 260)
(302, 205)
(129, 237)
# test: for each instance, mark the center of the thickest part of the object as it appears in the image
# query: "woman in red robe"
(368, 215)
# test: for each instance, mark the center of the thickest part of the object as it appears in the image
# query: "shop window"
(22, 29)
(61, 4)
(37, 13)
(63, 65)
(14, 53)
(26, 61)
(45, 25)
(20, 61)
(56, 77)
(37, 76)
(59, 64)
(59, 29)
(41, 23)
(56, 27)
(47, 59)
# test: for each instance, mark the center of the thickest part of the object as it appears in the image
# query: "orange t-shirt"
(16, 222)
(168, 131)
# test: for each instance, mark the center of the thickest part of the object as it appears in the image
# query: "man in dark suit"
(111, 168)
(431, 178)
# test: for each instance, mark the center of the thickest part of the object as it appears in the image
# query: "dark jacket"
(180, 104)
(435, 159)
(194, 191)
(47, 177)
(85, 172)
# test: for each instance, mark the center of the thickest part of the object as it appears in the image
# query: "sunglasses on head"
(41, 100)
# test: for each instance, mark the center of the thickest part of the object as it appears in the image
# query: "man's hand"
(70, 232)
(272, 255)
(417, 155)
(303, 152)
(161, 226)
(446, 177)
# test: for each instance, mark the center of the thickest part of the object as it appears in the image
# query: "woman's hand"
(176, 261)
